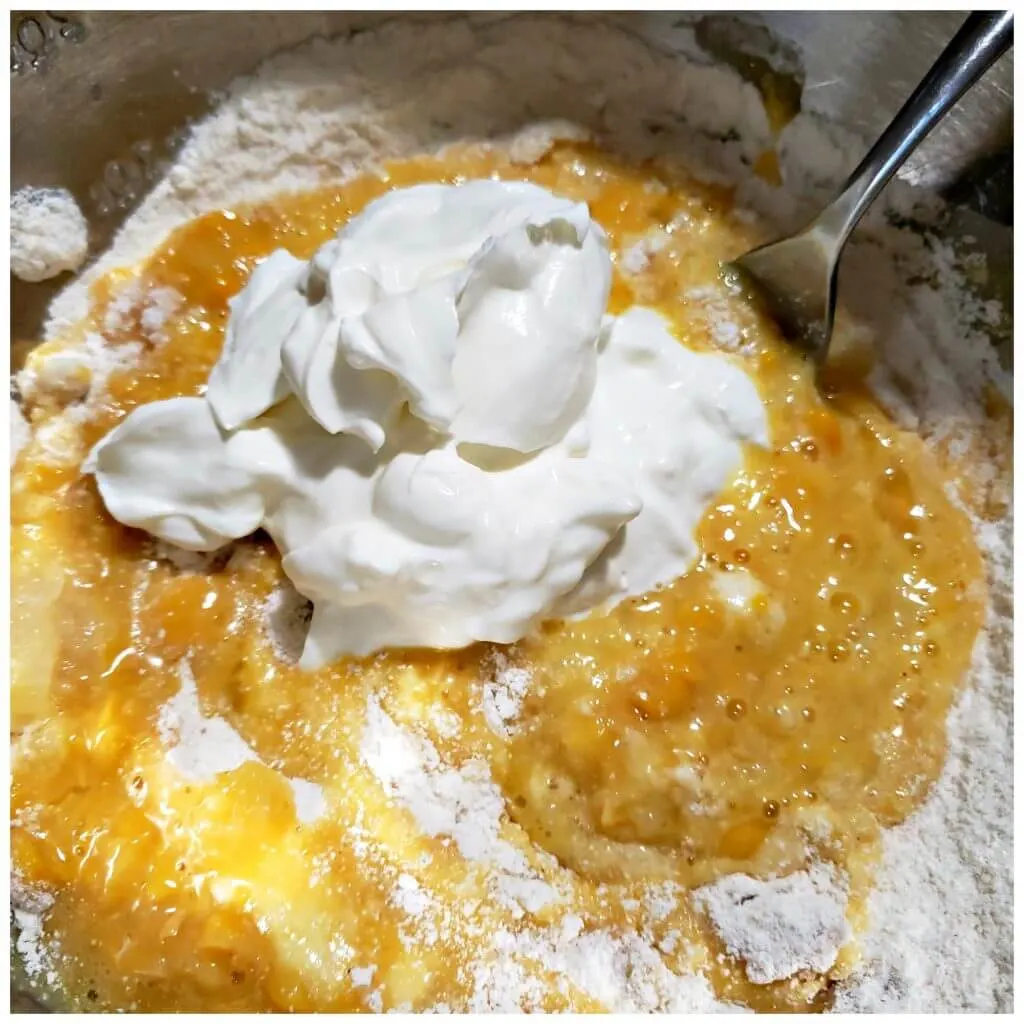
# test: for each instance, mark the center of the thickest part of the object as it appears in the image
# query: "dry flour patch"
(36, 949)
(781, 926)
(462, 804)
(49, 234)
(636, 258)
(620, 972)
(712, 305)
(78, 374)
(942, 909)
(148, 309)
(202, 747)
(502, 696)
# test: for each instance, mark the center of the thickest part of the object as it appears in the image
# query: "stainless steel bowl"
(100, 102)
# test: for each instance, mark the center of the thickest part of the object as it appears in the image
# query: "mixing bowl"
(101, 101)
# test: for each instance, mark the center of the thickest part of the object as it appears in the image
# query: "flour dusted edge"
(781, 926)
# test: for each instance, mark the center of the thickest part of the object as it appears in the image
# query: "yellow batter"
(772, 709)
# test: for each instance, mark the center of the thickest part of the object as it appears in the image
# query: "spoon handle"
(981, 40)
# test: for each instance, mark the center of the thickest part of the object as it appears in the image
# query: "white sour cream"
(446, 437)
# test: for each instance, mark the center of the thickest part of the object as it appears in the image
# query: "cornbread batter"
(559, 825)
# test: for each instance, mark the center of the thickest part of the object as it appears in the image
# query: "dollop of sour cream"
(441, 429)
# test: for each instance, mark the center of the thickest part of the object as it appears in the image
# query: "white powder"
(636, 258)
(461, 803)
(737, 588)
(502, 697)
(199, 747)
(712, 302)
(202, 748)
(152, 308)
(161, 304)
(662, 899)
(121, 307)
(522, 894)
(37, 951)
(620, 971)
(942, 911)
(410, 897)
(445, 724)
(58, 441)
(49, 235)
(781, 926)
(36, 955)
(78, 374)
(530, 144)
(940, 937)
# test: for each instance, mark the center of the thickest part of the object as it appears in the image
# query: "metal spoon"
(796, 277)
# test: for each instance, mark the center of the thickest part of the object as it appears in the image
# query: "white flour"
(942, 913)
(29, 908)
(502, 696)
(463, 804)
(781, 926)
(49, 235)
(78, 374)
(941, 927)
(153, 308)
(620, 972)
(202, 748)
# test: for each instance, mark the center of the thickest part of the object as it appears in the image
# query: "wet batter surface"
(771, 710)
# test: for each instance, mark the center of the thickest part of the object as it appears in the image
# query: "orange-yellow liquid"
(679, 737)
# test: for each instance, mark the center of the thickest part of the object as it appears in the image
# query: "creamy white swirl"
(443, 432)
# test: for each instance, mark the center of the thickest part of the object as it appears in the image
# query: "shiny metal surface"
(101, 101)
(857, 67)
(797, 276)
